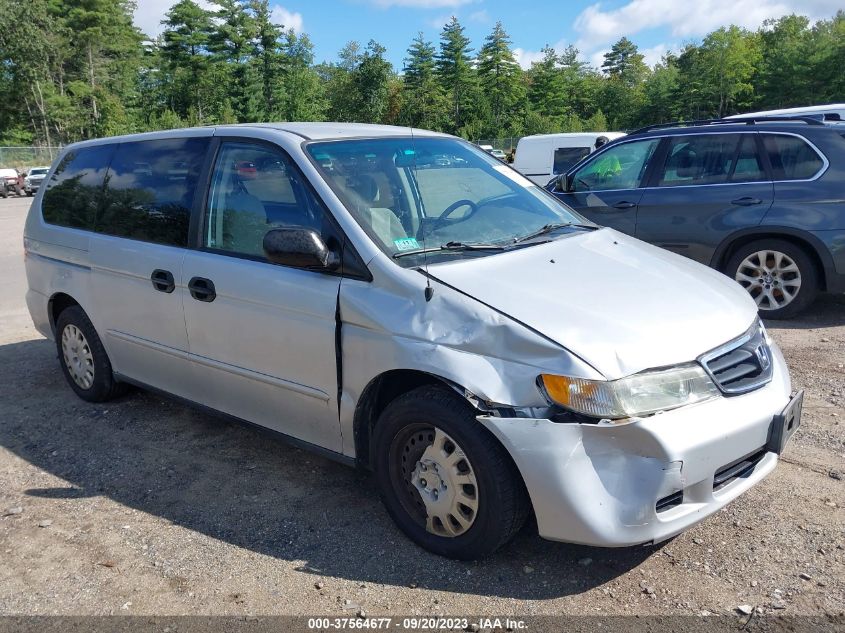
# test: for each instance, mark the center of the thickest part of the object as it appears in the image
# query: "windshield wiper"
(451, 246)
(549, 228)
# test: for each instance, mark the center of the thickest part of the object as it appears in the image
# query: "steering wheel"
(454, 207)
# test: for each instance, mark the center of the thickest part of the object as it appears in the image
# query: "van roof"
(307, 130)
(575, 135)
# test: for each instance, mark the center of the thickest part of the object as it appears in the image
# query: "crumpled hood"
(618, 303)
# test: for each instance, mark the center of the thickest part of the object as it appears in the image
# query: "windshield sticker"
(406, 244)
(513, 175)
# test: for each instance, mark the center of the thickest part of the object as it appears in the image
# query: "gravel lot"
(143, 506)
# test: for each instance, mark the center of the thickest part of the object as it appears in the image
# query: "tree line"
(76, 69)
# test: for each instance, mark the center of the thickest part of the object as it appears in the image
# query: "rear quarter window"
(150, 188)
(792, 157)
(75, 190)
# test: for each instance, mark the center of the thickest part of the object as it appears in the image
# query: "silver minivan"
(403, 301)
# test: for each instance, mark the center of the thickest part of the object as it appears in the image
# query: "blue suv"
(760, 199)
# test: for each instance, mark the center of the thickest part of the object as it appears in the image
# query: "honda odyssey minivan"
(481, 347)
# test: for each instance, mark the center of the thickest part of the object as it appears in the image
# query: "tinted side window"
(74, 191)
(150, 189)
(749, 166)
(566, 157)
(791, 157)
(255, 189)
(618, 167)
(699, 160)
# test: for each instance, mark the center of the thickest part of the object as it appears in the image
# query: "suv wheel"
(83, 358)
(779, 276)
(444, 478)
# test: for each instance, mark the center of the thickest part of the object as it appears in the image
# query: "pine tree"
(304, 99)
(423, 99)
(187, 34)
(500, 75)
(267, 59)
(455, 72)
(232, 44)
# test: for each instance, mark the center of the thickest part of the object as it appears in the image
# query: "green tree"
(423, 100)
(501, 77)
(186, 60)
(455, 72)
(232, 46)
(371, 82)
(727, 61)
(304, 98)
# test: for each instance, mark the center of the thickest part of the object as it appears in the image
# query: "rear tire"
(83, 358)
(479, 486)
(780, 276)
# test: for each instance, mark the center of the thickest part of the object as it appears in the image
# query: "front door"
(707, 187)
(606, 189)
(262, 336)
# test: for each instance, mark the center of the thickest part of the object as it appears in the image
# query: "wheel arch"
(57, 303)
(802, 239)
(380, 392)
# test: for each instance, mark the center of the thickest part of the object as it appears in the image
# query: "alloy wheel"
(772, 278)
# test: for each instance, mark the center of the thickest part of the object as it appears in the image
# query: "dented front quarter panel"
(388, 325)
(598, 484)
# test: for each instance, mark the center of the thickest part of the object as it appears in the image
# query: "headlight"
(637, 395)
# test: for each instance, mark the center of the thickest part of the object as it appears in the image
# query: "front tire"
(445, 479)
(780, 276)
(83, 358)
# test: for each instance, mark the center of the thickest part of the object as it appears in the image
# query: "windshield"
(38, 172)
(440, 197)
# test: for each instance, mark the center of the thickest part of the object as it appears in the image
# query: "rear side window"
(699, 160)
(792, 157)
(74, 191)
(749, 166)
(150, 190)
(566, 157)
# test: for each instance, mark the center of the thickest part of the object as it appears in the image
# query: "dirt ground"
(144, 506)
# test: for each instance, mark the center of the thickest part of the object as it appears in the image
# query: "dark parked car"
(762, 200)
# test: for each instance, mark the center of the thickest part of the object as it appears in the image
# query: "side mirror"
(564, 183)
(300, 247)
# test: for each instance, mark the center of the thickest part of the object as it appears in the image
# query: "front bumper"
(32, 187)
(600, 485)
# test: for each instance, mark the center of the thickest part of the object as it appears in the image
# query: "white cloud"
(654, 54)
(420, 4)
(289, 19)
(525, 58)
(482, 17)
(598, 27)
(440, 21)
(150, 13)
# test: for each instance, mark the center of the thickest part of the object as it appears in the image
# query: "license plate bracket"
(786, 423)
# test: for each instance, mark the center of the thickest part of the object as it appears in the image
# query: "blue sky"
(654, 25)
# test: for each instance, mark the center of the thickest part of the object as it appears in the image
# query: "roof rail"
(739, 120)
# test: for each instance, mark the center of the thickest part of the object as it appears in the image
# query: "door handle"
(747, 201)
(163, 280)
(202, 289)
(624, 204)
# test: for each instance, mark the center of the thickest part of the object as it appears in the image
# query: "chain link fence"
(21, 157)
(505, 144)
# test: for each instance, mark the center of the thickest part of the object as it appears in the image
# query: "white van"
(481, 347)
(543, 156)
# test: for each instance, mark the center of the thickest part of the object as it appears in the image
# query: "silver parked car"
(481, 347)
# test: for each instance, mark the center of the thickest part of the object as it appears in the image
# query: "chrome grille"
(742, 365)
